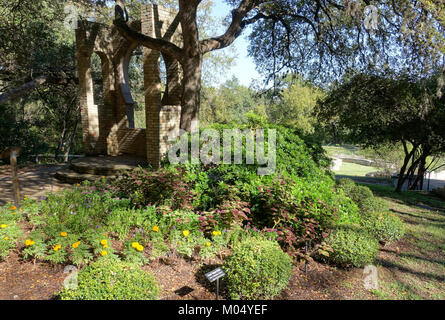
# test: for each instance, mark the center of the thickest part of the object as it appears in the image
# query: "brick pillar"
(89, 111)
(152, 85)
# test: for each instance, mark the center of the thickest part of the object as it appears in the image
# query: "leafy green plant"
(384, 226)
(10, 234)
(257, 269)
(108, 279)
(374, 204)
(351, 246)
(35, 245)
(133, 252)
(166, 186)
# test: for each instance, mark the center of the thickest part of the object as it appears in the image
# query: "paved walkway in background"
(34, 181)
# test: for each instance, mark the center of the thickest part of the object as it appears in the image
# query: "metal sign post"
(215, 275)
(305, 251)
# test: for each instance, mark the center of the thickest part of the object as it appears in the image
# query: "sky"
(244, 68)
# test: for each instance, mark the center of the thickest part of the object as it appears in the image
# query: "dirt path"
(34, 181)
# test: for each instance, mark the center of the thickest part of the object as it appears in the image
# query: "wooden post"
(15, 178)
(13, 153)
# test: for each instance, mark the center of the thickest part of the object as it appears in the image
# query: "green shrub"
(112, 280)
(374, 205)
(360, 194)
(347, 185)
(257, 269)
(352, 247)
(385, 227)
(10, 234)
(163, 187)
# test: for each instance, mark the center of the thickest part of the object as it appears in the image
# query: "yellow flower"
(139, 248)
(103, 253)
(216, 233)
(29, 242)
(103, 177)
(6, 238)
(3, 226)
(155, 228)
(63, 234)
(185, 233)
(104, 242)
(105, 245)
(207, 244)
(78, 184)
(134, 244)
(179, 242)
(57, 247)
(76, 244)
(13, 208)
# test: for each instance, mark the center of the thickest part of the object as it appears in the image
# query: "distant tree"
(38, 83)
(373, 111)
(321, 37)
(295, 105)
(228, 103)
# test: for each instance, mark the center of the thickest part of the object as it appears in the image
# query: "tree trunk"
(191, 65)
(191, 94)
(408, 155)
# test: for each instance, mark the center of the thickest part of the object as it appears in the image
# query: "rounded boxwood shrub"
(383, 226)
(374, 205)
(257, 269)
(346, 185)
(360, 194)
(352, 247)
(112, 279)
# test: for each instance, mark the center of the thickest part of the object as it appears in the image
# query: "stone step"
(72, 177)
(106, 166)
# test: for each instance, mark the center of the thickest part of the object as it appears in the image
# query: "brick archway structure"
(108, 129)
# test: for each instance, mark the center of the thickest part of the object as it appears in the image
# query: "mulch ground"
(178, 278)
(184, 279)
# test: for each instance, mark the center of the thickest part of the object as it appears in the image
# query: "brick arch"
(111, 126)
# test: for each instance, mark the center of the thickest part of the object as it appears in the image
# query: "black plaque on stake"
(215, 275)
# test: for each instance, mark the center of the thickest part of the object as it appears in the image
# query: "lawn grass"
(408, 197)
(335, 150)
(353, 169)
(414, 267)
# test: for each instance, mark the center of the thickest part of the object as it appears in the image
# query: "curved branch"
(234, 30)
(20, 91)
(158, 44)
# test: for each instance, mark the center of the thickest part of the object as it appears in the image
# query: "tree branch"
(158, 44)
(18, 92)
(236, 27)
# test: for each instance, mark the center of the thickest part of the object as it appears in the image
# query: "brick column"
(89, 111)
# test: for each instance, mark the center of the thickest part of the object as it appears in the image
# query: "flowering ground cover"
(261, 230)
(24, 279)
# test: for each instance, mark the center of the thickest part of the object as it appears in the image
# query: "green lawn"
(414, 267)
(353, 169)
(334, 150)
